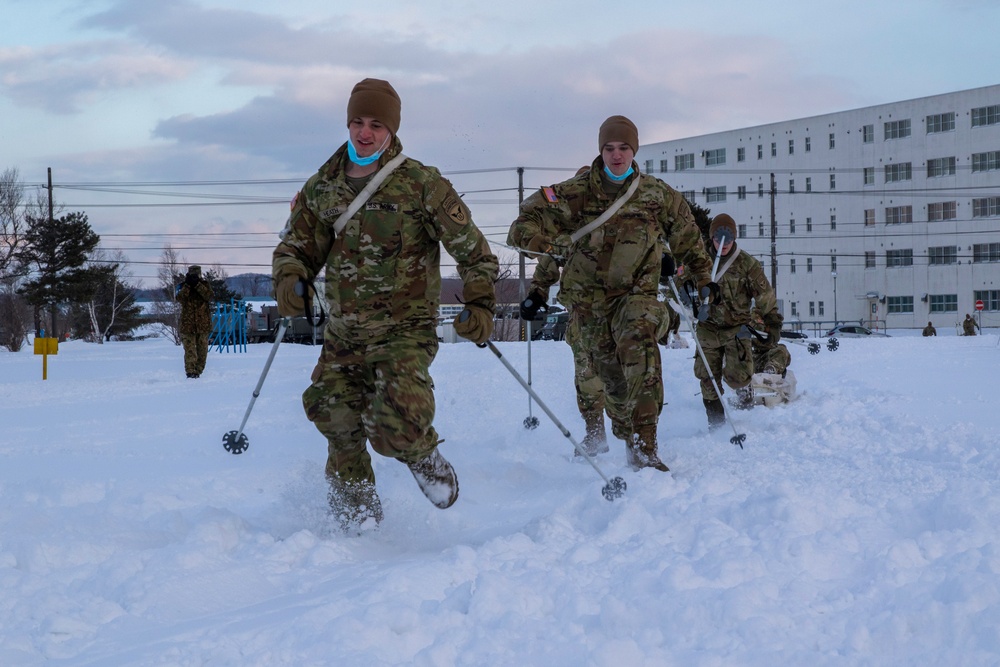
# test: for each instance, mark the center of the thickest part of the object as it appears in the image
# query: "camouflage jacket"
(622, 256)
(196, 309)
(546, 275)
(743, 285)
(383, 272)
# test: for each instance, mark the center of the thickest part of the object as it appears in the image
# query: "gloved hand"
(475, 323)
(531, 306)
(773, 334)
(539, 243)
(291, 301)
(667, 269)
(191, 279)
(712, 293)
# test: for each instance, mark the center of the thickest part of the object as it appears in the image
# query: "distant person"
(929, 330)
(590, 400)
(969, 326)
(383, 286)
(725, 344)
(195, 296)
(612, 270)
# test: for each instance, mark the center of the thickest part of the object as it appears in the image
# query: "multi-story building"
(888, 214)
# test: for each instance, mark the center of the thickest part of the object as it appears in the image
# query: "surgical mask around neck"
(352, 153)
(617, 179)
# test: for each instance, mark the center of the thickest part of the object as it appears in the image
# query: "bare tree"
(508, 312)
(166, 311)
(115, 298)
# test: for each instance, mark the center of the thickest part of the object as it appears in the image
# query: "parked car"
(554, 328)
(853, 331)
(786, 333)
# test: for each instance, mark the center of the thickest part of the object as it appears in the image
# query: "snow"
(859, 526)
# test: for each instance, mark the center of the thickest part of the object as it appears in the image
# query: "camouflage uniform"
(729, 352)
(969, 326)
(611, 278)
(768, 359)
(383, 287)
(196, 324)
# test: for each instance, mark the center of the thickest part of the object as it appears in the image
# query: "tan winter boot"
(436, 478)
(744, 398)
(354, 504)
(596, 440)
(640, 451)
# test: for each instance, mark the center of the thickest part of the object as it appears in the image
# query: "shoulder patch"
(550, 194)
(455, 209)
(295, 200)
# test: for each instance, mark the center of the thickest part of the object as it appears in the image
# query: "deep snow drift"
(858, 527)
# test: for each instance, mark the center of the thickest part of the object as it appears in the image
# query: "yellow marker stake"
(45, 347)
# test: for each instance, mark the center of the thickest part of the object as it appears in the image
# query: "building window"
(649, 166)
(869, 259)
(983, 116)
(741, 231)
(942, 210)
(795, 308)
(897, 129)
(760, 189)
(869, 173)
(715, 157)
(899, 304)
(941, 122)
(741, 192)
(809, 184)
(942, 166)
(684, 162)
(986, 252)
(820, 310)
(715, 194)
(833, 222)
(868, 134)
(689, 195)
(833, 141)
(869, 217)
(942, 255)
(760, 228)
(774, 149)
(760, 151)
(895, 215)
(791, 266)
(944, 303)
(812, 309)
(985, 161)
(986, 207)
(990, 299)
(791, 186)
(809, 267)
(895, 173)
(808, 144)
(791, 226)
(809, 224)
(791, 146)
(833, 262)
(741, 154)
(895, 258)
(833, 181)
(663, 166)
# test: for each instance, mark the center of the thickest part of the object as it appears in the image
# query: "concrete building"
(888, 214)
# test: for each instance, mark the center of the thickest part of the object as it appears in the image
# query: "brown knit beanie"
(722, 221)
(195, 269)
(618, 128)
(377, 99)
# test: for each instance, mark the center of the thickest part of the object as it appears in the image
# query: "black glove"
(694, 300)
(192, 279)
(531, 306)
(773, 334)
(712, 293)
(667, 269)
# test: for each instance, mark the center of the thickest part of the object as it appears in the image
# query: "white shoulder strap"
(604, 217)
(729, 262)
(367, 192)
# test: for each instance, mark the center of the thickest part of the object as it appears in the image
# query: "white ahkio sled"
(771, 389)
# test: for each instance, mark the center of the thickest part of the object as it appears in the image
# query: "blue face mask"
(617, 179)
(352, 155)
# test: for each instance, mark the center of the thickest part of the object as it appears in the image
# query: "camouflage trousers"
(627, 357)
(729, 358)
(195, 352)
(778, 357)
(378, 390)
(581, 335)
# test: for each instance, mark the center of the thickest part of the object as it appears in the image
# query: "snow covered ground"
(859, 526)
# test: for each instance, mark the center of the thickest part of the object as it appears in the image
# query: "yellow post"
(45, 347)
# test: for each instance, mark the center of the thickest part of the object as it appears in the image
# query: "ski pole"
(812, 346)
(613, 488)
(236, 442)
(738, 438)
(530, 422)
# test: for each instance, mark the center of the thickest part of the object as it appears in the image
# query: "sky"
(194, 122)
(860, 524)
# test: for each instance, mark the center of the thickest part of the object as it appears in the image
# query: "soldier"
(195, 296)
(607, 224)
(929, 330)
(969, 326)
(590, 398)
(726, 344)
(383, 285)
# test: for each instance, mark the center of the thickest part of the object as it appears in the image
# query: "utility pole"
(520, 255)
(774, 237)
